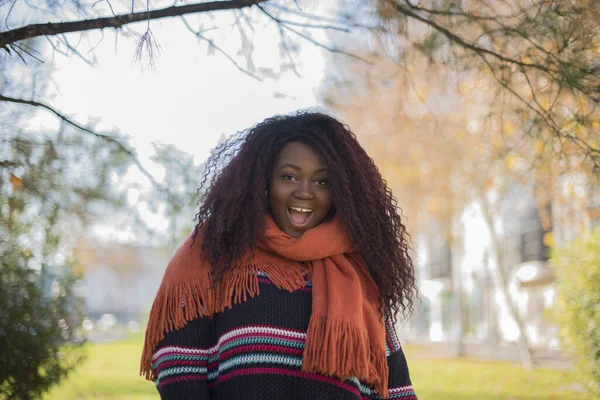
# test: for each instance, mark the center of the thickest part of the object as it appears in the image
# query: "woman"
(286, 287)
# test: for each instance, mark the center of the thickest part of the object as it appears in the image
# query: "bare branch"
(247, 47)
(107, 138)
(62, 117)
(309, 39)
(50, 29)
(314, 17)
(212, 44)
(74, 50)
(109, 5)
(247, 21)
(93, 48)
(321, 45)
(8, 13)
(55, 47)
(533, 94)
(287, 51)
(302, 25)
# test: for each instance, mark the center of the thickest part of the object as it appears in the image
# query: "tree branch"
(303, 25)
(107, 138)
(462, 42)
(314, 17)
(212, 45)
(287, 51)
(50, 29)
(468, 15)
(283, 24)
(589, 151)
(15, 48)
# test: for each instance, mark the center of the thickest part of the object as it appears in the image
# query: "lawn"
(111, 372)
(464, 379)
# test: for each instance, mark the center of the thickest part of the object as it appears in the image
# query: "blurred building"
(456, 259)
(120, 280)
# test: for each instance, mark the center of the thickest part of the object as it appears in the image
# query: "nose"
(304, 191)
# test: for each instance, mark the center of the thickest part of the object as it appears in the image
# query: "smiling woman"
(286, 288)
(299, 196)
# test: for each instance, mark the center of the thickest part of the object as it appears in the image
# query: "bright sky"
(190, 98)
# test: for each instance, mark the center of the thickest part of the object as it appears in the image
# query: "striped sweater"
(253, 351)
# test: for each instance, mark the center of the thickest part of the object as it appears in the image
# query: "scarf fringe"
(339, 353)
(173, 306)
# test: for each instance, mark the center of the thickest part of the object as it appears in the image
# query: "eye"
(321, 182)
(288, 177)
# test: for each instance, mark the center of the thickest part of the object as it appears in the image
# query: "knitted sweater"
(253, 351)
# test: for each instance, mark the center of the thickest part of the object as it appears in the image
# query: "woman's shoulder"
(189, 251)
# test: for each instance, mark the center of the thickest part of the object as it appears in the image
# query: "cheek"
(327, 202)
(277, 196)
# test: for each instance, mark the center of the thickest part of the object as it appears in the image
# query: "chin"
(295, 232)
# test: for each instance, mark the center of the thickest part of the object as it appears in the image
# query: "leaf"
(539, 146)
(15, 181)
(422, 94)
(548, 239)
(510, 161)
(497, 143)
(434, 205)
(509, 128)
(526, 60)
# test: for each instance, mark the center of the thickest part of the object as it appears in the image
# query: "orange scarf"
(346, 333)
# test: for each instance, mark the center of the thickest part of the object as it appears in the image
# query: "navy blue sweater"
(253, 351)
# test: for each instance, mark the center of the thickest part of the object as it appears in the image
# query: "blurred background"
(481, 115)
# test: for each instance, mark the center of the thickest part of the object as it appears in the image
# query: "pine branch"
(453, 37)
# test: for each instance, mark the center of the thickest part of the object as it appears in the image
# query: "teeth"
(304, 210)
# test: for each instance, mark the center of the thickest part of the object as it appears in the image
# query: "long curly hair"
(234, 200)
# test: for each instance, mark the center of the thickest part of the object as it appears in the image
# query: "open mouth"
(300, 216)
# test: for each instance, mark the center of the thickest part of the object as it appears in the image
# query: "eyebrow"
(297, 168)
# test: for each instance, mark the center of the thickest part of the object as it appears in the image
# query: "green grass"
(111, 372)
(464, 379)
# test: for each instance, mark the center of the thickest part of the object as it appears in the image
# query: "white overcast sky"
(190, 98)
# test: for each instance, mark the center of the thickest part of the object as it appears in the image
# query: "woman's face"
(299, 193)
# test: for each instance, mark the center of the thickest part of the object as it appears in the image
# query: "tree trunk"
(501, 282)
(458, 307)
(458, 311)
